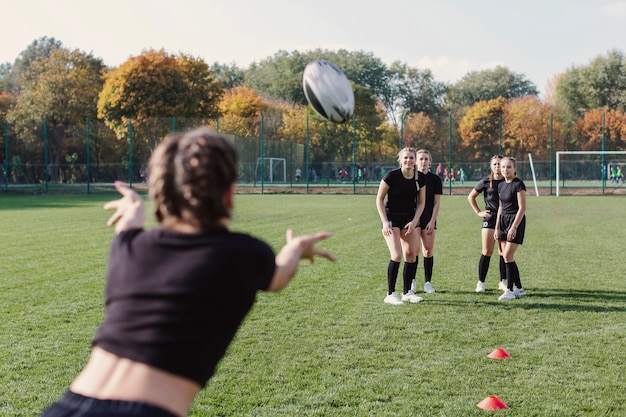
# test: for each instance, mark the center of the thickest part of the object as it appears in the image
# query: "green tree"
(61, 88)
(229, 75)
(39, 49)
(599, 85)
(489, 84)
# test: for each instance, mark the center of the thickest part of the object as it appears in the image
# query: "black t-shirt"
(175, 301)
(507, 192)
(489, 189)
(402, 194)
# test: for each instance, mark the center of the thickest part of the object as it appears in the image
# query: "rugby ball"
(328, 91)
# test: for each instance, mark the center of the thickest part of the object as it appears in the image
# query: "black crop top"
(175, 301)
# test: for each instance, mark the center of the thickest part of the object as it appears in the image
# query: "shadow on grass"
(549, 299)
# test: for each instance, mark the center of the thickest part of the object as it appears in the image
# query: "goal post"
(604, 171)
(275, 169)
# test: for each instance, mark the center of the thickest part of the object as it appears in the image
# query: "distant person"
(440, 172)
(428, 219)
(176, 294)
(488, 187)
(404, 189)
(446, 175)
(298, 174)
(461, 176)
(511, 225)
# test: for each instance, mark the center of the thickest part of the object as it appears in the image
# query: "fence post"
(45, 145)
(354, 173)
(6, 155)
(130, 154)
(88, 157)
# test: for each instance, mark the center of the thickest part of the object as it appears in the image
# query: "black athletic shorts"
(506, 221)
(490, 223)
(76, 405)
(400, 220)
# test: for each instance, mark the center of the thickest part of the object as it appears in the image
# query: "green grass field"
(327, 345)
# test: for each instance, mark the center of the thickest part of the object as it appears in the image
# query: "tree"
(599, 85)
(526, 128)
(39, 49)
(61, 88)
(241, 109)
(418, 131)
(487, 85)
(589, 130)
(229, 75)
(480, 127)
(151, 89)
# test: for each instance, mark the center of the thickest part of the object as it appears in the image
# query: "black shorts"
(400, 220)
(506, 221)
(490, 223)
(76, 405)
(425, 219)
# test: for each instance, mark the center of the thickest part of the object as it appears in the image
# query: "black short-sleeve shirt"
(175, 301)
(402, 194)
(489, 189)
(507, 192)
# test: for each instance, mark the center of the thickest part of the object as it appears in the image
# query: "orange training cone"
(491, 403)
(499, 353)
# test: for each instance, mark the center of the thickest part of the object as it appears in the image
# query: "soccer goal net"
(271, 169)
(589, 169)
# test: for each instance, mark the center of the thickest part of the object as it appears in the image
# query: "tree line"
(483, 113)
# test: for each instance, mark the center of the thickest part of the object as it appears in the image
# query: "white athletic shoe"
(428, 288)
(413, 286)
(480, 286)
(393, 299)
(411, 297)
(507, 296)
(502, 286)
(519, 292)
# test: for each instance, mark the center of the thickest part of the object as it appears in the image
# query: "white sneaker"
(502, 286)
(507, 296)
(393, 299)
(413, 286)
(411, 297)
(480, 286)
(428, 288)
(519, 292)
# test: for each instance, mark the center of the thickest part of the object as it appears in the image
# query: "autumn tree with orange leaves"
(526, 128)
(480, 129)
(589, 130)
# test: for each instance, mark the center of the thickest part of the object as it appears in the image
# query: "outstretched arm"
(129, 212)
(301, 247)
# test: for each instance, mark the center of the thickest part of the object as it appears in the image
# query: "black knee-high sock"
(428, 268)
(502, 269)
(510, 274)
(408, 275)
(483, 267)
(392, 276)
(517, 281)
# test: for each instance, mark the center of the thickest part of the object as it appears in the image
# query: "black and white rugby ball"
(328, 91)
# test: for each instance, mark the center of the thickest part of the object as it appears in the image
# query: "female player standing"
(511, 225)
(404, 189)
(488, 187)
(428, 220)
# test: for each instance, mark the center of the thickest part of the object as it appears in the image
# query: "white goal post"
(558, 161)
(275, 169)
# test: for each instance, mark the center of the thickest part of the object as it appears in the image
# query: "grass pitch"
(327, 345)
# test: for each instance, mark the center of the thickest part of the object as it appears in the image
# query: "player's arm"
(471, 197)
(287, 260)
(129, 211)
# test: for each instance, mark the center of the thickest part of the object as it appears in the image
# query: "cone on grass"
(499, 353)
(492, 403)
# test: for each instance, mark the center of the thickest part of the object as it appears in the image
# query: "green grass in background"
(327, 345)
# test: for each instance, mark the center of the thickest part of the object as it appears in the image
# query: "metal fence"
(88, 158)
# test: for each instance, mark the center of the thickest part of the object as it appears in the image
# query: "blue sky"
(538, 39)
